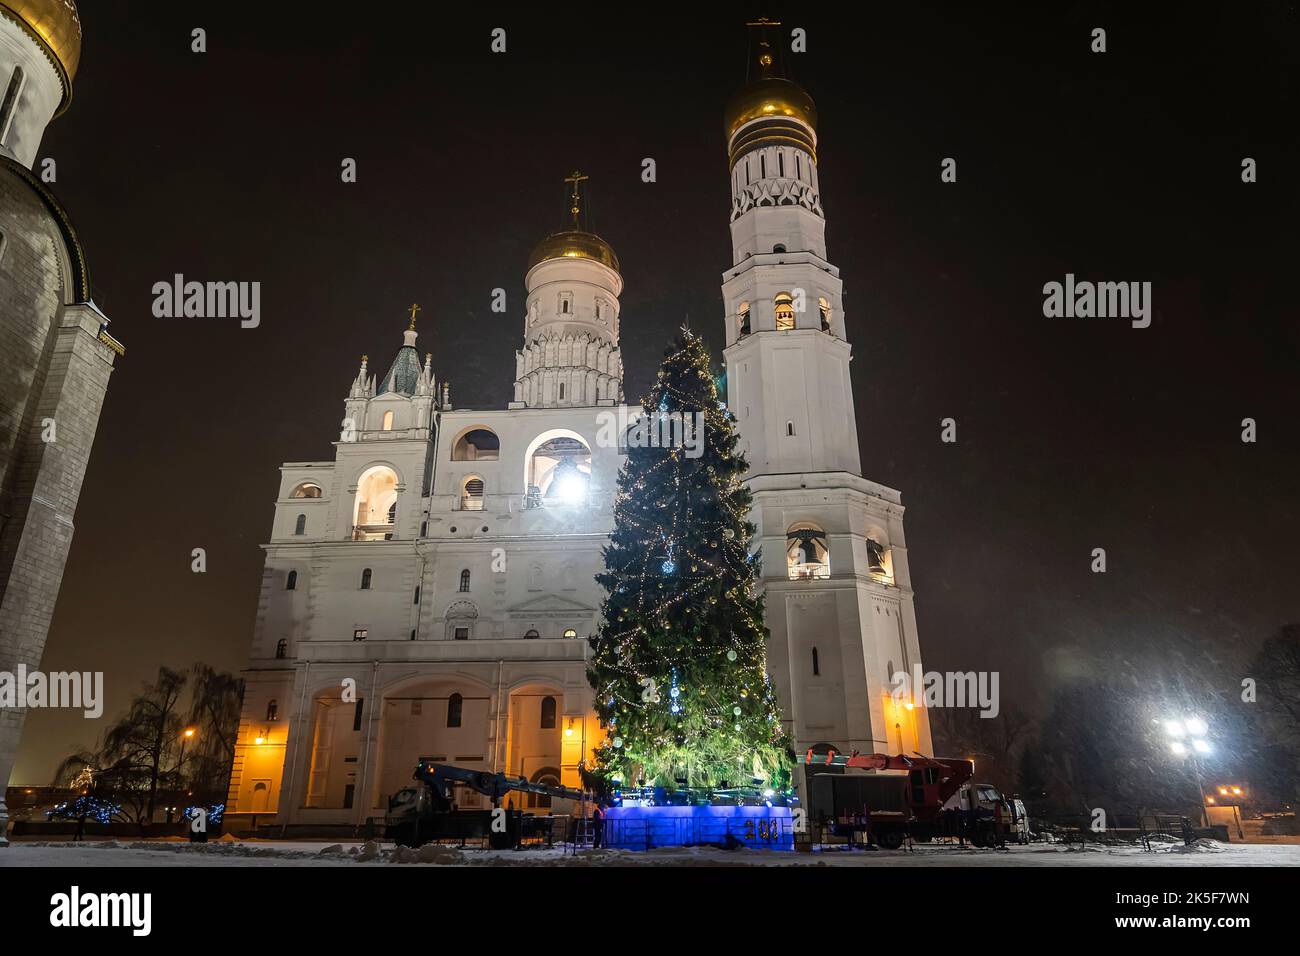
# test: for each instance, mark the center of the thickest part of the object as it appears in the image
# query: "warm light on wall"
(568, 731)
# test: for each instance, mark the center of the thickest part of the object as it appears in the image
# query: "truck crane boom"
(426, 811)
(440, 778)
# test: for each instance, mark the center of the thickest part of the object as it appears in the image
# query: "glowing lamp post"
(1187, 738)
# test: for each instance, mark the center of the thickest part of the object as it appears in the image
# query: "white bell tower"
(571, 356)
(839, 598)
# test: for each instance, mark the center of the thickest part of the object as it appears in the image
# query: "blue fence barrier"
(644, 828)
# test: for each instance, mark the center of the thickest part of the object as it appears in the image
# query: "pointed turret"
(404, 374)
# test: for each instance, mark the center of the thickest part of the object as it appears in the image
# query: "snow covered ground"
(231, 852)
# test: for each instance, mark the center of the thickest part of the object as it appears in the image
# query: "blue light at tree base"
(732, 827)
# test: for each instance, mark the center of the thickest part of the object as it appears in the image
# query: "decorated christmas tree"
(680, 665)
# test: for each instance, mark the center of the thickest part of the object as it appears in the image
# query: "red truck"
(887, 798)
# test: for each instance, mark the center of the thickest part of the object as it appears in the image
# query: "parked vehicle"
(886, 799)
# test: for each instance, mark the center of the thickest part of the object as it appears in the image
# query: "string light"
(682, 586)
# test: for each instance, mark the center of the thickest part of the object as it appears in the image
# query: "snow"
(232, 852)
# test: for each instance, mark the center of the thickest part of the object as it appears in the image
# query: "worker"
(597, 826)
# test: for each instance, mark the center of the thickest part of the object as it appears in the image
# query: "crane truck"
(425, 812)
(889, 797)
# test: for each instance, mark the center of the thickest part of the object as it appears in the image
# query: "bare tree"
(214, 714)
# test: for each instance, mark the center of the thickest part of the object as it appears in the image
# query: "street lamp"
(1191, 730)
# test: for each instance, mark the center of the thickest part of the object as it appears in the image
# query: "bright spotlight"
(1174, 728)
(1178, 748)
(1195, 726)
(1201, 746)
(572, 489)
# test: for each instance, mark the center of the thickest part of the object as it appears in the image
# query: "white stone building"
(443, 562)
(56, 355)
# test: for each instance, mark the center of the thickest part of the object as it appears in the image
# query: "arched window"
(416, 600)
(570, 632)
(548, 713)
(455, 704)
(824, 308)
(743, 320)
(388, 421)
(464, 581)
(532, 634)
(281, 648)
(784, 303)
(365, 579)
(558, 470)
(272, 709)
(779, 247)
(300, 526)
(424, 529)
(8, 106)
(807, 554)
(291, 582)
(471, 495)
(561, 391)
(877, 560)
(816, 663)
(376, 504)
(308, 489)
(477, 444)
(789, 429)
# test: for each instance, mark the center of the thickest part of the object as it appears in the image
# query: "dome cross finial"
(576, 207)
(413, 308)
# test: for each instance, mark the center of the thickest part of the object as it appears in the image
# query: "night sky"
(1072, 433)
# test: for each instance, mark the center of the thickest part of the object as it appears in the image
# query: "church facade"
(56, 355)
(428, 591)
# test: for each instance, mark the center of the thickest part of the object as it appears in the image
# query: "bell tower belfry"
(571, 356)
(787, 354)
(835, 573)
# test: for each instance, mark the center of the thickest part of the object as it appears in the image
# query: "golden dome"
(770, 98)
(574, 244)
(55, 25)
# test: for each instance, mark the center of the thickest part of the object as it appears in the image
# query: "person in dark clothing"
(597, 826)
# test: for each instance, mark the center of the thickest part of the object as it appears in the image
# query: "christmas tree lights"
(679, 666)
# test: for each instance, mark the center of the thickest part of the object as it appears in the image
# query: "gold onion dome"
(574, 244)
(770, 98)
(774, 99)
(54, 24)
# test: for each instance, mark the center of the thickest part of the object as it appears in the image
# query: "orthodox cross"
(760, 28)
(576, 178)
(414, 309)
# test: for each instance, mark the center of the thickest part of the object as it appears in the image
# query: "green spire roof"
(403, 374)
